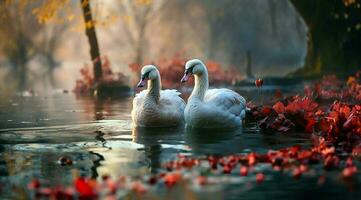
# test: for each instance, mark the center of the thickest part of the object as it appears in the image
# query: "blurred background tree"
(26, 40)
(137, 15)
(334, 40)
(18, 44)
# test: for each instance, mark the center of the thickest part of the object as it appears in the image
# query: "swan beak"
(141, 83)
(185, 77)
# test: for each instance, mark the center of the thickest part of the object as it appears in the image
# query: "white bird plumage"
(155, 107)
(211, 108)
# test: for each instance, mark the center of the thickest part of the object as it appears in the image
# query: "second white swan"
(155, 107)
(211, 108)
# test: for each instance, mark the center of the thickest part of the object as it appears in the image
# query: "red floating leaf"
(260, 177)
(258, 83)
(243, 170)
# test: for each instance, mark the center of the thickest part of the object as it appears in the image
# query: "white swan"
(214, 108)
(155, 107)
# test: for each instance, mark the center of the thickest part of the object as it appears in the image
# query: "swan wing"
(172, 99)
(139, 98)
(227, 100)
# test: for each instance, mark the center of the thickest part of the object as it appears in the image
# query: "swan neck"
(201, 86)
(154, 87)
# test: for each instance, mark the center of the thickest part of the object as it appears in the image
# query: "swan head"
(148, 72)
(193, 67)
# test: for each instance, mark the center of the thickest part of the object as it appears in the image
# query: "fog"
(224, 31)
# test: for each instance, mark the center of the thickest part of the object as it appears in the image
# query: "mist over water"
(271, 31)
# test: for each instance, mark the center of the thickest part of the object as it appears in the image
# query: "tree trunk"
(93, 41)
(332, 45)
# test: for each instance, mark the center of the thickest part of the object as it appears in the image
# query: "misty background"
(48, 56)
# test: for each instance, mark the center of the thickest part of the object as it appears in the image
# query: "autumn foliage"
(172, 70)
(330, 109)
(86, 82)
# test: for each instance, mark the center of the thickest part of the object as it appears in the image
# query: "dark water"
(98, 136)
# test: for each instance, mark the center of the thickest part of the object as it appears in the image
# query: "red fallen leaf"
(296, 173)
(293, 151)
(34, 184)
(304, 155)
(201, 180)
(319, 113)
(84, 187)
(243, 170)
(303, 168)
(321, 180)
(277, 168)
(111, 185)
(153, 180)
(348, 172)
(258, 83)
(266, 111)
(279, 107)
(227, 169)
(60, 193)
(349, 162)
(43, 192)
(310, 124)
(345, 111)
(331, 162)
(252, 159)
(139, 188)
(213, 163)
(260, 177)
(171, 179)
(328, 151)
(162, 175)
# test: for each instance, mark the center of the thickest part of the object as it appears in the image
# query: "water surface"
(97, 134)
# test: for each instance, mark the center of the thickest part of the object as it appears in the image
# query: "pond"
(97, 134)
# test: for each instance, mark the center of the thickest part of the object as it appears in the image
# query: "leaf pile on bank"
(86, 82)
(330, 109)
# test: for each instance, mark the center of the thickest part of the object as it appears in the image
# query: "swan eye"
(144, 76)
(189, 70)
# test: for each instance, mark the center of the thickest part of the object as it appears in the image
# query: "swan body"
(211, 108)
(155, 107)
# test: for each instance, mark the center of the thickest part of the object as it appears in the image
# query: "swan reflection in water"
(159, 143)
(213, 141)
(162, 144)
